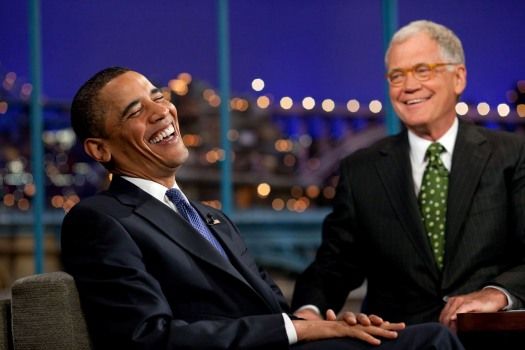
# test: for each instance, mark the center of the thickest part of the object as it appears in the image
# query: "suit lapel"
(395, 172)
(183, 234)
(471, 153)
(171, 224)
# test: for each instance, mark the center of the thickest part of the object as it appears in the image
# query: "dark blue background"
(322, 48)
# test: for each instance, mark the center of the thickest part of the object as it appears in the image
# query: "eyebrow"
(136, 102)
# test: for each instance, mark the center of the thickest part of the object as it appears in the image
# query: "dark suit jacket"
(146, 279)
(375, 229)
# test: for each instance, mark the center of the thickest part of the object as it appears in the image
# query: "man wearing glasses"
(434, 217)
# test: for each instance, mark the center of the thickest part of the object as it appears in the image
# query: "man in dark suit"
(423, 268)
(156, 271)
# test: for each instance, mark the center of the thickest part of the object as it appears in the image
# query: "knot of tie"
(433, 155)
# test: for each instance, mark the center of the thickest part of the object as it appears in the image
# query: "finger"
(398, 326)
(349, 318)
(450, 309)
(363, 319)
(330, 315)
(380, 332)
(364, 336)
(376, 320)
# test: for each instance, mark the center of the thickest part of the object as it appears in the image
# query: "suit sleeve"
(337, 268)
(513, 278)
(124, 304)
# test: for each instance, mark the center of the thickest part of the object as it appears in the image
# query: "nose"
(411, 83)
(158, 111)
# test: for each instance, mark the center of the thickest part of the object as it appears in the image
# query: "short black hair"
(87, 113)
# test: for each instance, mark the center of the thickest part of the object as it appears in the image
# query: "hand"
(308, 330)
(353, 319)
(485, 300)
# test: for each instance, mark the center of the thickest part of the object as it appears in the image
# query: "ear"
(97, 149)
(460, 79)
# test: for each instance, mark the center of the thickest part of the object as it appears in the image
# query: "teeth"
(411, 102)
(163, 134)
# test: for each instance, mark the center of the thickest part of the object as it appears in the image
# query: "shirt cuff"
(290, 329)
(510, 299)
(310, 307)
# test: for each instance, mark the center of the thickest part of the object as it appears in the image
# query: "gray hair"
(449, 44)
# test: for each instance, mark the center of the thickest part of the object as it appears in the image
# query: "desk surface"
(491, 321)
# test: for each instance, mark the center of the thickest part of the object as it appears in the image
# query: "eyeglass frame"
(432, 67)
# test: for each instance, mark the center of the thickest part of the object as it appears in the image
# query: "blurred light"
(461, 108)
(9, 80)
(283, 145)
(521, 86)
(503, 109)
(214, 101)
(520, 109)
(239, 104)
(214, 155)
(3, 107)
(233, 135)
(29, 190)
(290, 204)
(308, 103)
(178, 86)
(312, 191)
(263, 190)
(483, 108)
(296, 191)
(512, 96)
(352, 105)
(278, 204)
(328, 105)
(289, 160)
(214, 203)
(26, 89)
(57, 201)
(263, 102)
(375, 106)
(23, 204)
(301, 204)
(191, 140)
(329, 192)
(9, 200)
(257, 84)
(185, 77)
(305, 140)
(286, 102)
(207, 94)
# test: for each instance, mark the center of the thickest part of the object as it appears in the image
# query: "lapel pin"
(211, 220)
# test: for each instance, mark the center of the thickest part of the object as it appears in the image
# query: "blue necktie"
(190, 214)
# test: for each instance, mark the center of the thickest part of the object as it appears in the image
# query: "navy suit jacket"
(375, 229)
(146, 279)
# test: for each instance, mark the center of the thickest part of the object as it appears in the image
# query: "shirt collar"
(151, 187)
(418, 145)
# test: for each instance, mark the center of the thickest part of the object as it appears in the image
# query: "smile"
(416, 101)
(163, 135)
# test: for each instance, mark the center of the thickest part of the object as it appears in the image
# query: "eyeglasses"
(421, 71)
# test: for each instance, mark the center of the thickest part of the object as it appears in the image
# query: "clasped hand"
(368, 328)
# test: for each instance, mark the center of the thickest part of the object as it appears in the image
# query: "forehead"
(124, 89)
(419, 48)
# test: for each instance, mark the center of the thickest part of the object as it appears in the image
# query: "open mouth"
(163, 135)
